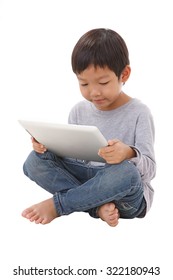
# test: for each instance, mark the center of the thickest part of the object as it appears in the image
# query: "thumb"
(112, 142)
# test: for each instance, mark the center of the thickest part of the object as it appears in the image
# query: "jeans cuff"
(93, 212)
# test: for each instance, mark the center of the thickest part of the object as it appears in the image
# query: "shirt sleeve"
(144, 147)
(72, 118)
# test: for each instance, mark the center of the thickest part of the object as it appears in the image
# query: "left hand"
(116, 152)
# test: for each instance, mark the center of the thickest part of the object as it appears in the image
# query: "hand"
(116, 152)
(38, 147)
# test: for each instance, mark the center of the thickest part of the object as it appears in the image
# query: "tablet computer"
(68, 140)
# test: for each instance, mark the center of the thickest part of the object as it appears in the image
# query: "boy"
(120, 187)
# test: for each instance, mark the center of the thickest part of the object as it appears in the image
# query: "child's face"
(100, 86)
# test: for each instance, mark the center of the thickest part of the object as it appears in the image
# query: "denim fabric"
(80, 186)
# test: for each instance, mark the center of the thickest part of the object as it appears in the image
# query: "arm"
(140, 151)
(144, 147)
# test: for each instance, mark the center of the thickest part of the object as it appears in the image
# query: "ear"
(125, 74)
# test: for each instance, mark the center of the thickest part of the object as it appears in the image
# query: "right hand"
(38, 147)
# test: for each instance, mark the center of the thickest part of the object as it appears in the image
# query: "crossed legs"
(71, 194)
(44, 212)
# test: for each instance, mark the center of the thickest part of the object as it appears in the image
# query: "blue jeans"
(79, 186)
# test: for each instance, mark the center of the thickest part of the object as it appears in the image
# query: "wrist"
(131, 153)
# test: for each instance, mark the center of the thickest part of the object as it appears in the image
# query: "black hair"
(100, 47)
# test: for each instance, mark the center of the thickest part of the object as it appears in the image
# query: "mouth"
(99, 101)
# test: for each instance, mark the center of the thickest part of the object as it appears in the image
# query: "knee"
(30, 164)
(125, 171)
(131, 171)
(36, 163)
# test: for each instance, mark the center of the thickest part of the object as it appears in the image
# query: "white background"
(36, 81)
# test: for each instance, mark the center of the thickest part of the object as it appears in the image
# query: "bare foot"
(41, 213)
(109, 213)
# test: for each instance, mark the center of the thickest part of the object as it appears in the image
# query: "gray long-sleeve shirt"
(132, 123)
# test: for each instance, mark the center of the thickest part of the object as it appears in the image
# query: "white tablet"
(68, 140)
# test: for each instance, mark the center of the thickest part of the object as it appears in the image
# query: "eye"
(104, 83)
(83, 85)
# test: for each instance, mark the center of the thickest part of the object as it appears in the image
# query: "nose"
(94, 92)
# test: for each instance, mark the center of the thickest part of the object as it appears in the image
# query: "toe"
(28, 213)
(34, 218)
(39, 220)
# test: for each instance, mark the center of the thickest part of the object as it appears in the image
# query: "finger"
(112, 142)
(107, 152)
(39, 151)
(42, 148)
(39, 148)
(39, 145)
(109, 149)
(112, 160)
(34, 140)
